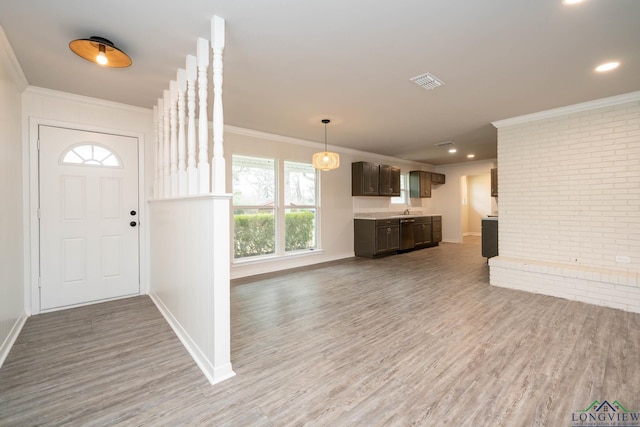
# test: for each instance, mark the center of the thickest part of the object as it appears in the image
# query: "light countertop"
(387, 215)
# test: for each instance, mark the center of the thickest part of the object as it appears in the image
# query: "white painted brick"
(570, 189)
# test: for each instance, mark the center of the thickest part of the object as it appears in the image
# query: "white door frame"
(32, 237)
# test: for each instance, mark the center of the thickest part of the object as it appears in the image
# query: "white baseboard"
(472, 233)
(214, 374)
(11, 338)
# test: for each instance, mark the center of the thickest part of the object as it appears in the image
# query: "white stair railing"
(156, 176)
(173, 108)
(167, 145)
(192, 170)
(183, 166)
(203, 122)
(182, 143)
(218, 40)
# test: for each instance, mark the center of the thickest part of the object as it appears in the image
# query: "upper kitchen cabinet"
(494, 182)
(364, 179)
(437, 178)
(419, 184)
(389, 181)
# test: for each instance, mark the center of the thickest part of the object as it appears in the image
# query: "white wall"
(190, 276)
(12, 312)
(41, 106)
(447, 199)
(337, 205)
(570, 201)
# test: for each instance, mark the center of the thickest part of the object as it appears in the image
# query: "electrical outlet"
(622, 258)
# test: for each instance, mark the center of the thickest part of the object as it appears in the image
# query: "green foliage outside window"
(298, 230)
(254, 234)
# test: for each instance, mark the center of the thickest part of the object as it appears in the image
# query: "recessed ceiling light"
(452, 150)
(607, 66)
(571, 1)
(470, 156)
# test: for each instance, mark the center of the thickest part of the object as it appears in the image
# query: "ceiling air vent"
(443, 144)
(427, 81)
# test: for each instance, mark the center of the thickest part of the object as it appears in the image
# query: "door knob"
(133, 223)
(133, 213)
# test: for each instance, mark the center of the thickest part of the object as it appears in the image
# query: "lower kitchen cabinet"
(376, 237)
(489, 237)
(436, 229)
(422, 231)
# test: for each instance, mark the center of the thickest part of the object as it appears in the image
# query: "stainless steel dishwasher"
(406, 234)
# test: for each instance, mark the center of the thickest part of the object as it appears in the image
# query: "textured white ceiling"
(290, 63)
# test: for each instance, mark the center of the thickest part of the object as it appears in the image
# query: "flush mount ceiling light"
(607, 66)
(569, 2)
(470, 156)
(326, 160)
(453, 150)
(100, 51)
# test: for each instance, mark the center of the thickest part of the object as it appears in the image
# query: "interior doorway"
(476, 202)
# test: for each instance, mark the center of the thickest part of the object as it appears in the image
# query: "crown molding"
(316, 145)
(569, 109)
(8, 57)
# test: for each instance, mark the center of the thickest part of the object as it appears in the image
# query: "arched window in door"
(90, 154)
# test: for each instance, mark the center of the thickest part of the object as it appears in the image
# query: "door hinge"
(38, 213)
(38, 144)
(39, 282)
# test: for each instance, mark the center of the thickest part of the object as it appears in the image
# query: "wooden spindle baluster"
(167, 146)
(203, 122)
(156, 145)
(160, 157)
(173, 108)
(192, 170)
(182, 143)
(218, 40)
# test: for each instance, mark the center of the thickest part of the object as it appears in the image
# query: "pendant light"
(100, 51)
(326, 160)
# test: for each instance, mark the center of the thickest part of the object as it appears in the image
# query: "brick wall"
(569, 195)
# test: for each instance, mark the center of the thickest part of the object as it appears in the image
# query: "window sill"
(274, 258)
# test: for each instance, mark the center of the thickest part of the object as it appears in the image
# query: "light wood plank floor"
(414, 339)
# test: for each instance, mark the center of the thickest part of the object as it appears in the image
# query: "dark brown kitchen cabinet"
(389, 183)
(494, 182)
(489, 237)
(422, 231)
(437, 178)
(436, 229)
(419, 184)
(364, 179)
(376, 237)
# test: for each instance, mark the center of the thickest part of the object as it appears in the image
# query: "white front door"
(88, 217)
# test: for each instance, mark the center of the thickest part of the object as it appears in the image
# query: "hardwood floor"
(414, 339)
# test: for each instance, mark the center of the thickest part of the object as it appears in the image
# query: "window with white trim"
(90, 155)
(402, 199)
(274, 206)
